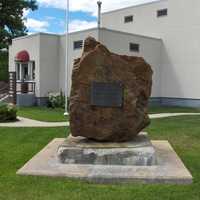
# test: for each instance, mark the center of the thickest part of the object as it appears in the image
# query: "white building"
(166, 33)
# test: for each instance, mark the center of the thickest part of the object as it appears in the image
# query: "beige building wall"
(44, 50)
(181, 60)
(76, 53)
(49, 64)
(62, 63)
(150, 50)
(32, 45)
(145, 21)
(118, 42)
(181, 43)
(175, 58)
(49, 53)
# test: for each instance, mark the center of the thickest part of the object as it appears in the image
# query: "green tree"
(4, 66)
(12, 19)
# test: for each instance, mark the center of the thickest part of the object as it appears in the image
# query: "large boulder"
(115, 123)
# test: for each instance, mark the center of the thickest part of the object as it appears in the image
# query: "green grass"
(157, 109)
(18, 145)
(42, 114)
(56, 115)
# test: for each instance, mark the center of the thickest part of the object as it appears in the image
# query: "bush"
(56, 100)
(3, 66)
(8, 112)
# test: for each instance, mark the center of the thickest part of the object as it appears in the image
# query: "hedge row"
(3, 66)
(8, 112)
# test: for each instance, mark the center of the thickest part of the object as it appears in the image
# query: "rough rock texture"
(107, 123)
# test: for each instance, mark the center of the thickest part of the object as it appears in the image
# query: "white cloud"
(91, 6)
(36, 25)
(30, 33)
(25, 12)
(77, 5)
(78, 25)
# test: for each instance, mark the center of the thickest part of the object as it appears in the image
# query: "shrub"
(56, 100)
(3, 66)
(8, 112)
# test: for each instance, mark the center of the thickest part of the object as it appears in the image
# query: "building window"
(25, 71)
(33, 70)
(161, 13)
(134, 47)
(128, 19)
(78, 44)
(18, 71)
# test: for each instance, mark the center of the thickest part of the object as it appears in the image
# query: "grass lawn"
(56, 115)
(157, 109)
(43, 114)
(18, 145)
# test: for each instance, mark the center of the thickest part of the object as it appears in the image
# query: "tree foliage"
(4, 66)
(12, 19)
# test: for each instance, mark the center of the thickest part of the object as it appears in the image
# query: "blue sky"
(50, 17)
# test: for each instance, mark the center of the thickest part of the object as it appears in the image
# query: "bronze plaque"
(107, 94)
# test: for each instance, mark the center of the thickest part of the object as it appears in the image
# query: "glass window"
(128, 19)
(162, 12)
(78, 44)
(18, 71)
(25, 71)
(33, 70)
(134, 47)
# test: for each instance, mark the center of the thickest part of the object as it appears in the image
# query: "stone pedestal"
(169, 168)
(80, 150)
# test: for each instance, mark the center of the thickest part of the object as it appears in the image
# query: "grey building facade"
(168, 41)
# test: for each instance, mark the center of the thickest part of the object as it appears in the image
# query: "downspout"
(67, 60)
(99, 3)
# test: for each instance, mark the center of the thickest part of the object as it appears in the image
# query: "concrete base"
(42, 101)
(80, 150)
(169, 168)
(26, 100)
(174, 102)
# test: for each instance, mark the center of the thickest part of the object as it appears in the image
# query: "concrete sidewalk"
(165, 115)
(25, 122)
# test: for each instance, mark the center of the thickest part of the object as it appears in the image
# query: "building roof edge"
(133, 6)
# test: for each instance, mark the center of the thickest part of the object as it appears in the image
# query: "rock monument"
(109, 94)
(108, 109)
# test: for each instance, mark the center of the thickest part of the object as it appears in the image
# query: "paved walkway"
(24, 122)
(164, 115)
